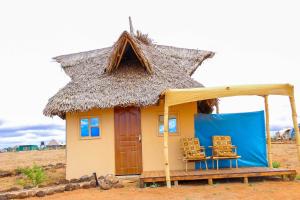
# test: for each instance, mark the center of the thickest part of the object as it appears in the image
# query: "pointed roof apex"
(119, 48)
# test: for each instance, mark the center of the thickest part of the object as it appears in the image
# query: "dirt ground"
(256, 189)
(286, 154)
(233, 191)
(13, 160)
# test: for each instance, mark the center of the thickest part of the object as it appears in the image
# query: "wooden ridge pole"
(166, 147)
(268, 131)
(295, 122)
(217, 108)
(131, 26)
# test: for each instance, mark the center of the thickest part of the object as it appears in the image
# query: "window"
(173, 126)
(89, 127)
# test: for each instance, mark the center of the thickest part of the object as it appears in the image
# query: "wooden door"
(128, 145)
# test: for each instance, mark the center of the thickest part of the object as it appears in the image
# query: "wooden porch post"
(295, 121)
(166, 147)
(268, 132)
(217, 108)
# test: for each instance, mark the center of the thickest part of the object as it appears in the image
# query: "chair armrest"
(216, 147)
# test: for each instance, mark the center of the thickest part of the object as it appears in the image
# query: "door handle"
(140, 137)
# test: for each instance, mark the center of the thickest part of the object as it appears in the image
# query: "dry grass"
(13, 160)
(52, 176)
(8, 182)
(143, 38)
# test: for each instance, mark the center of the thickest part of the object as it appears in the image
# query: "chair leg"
(186, 165)
(206, 165)
(213, 163)
(176, 183)
(230, 163)
(200, 164)
(236, 163)
(217, 164)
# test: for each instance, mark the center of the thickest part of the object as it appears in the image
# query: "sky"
(255, 42)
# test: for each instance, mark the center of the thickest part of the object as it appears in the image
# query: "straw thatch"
(130, 73)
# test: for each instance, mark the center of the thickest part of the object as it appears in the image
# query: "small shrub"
(276, 164)
(154, 185)
(22, 182)
(34, 175)
(297, 177)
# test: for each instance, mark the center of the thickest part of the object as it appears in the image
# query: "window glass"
(95, 132)
(172, 124)
(89, 127)
(94, 122)
(84, 126)
(161, 128)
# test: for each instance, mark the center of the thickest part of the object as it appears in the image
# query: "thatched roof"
(133, 72)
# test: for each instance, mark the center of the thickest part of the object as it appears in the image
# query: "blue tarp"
(247, 131)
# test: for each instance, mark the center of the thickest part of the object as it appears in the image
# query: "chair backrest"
(190, 144)
(221, 140)
(223, 144)
(191, 147)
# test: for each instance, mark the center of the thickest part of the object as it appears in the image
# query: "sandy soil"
(232, 191)
(13, 160)
(286, 154)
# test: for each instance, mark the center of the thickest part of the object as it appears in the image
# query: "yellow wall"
(85, 156)
(153, 156)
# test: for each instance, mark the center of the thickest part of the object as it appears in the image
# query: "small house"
(54, 144)
(27, 148)
(114, 105)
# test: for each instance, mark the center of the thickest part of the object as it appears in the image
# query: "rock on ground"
(3, 197)
(40, 193)
(105, 185)
(85, 178)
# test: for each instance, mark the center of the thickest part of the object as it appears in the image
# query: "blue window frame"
(173, 124)
(90, 127)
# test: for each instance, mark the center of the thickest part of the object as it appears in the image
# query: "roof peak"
(119, 51)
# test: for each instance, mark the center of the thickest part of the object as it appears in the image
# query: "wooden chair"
(192, 151)
(223, 149)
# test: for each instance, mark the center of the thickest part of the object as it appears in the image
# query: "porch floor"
(210, 174)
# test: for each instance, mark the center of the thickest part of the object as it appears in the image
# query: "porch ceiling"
(180, 96)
